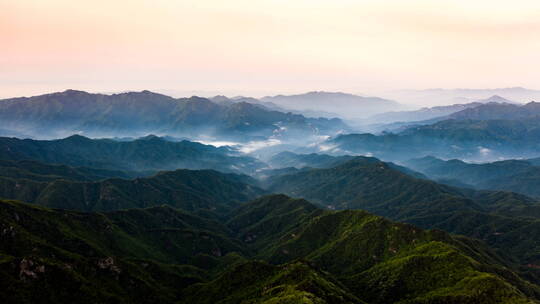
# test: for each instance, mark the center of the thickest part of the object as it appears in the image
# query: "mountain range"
(519, 176)
(296, 253)
(430, 113)
(263, 216)
(346, 105)
(497, 111)
(501, 219)
(150, 153)
(141, 113)
(476, 140)
(186, 189)
(452, 96)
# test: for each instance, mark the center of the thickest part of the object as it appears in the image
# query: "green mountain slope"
(296, 253)
(259, 282)
(189, 190)
(375, 187)
(38, 171)
(380, 261)
(65, 256)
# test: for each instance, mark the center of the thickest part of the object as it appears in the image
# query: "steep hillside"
(259, 282)
(124, 257)
(380, 261)
(377, 188)
(165, 255)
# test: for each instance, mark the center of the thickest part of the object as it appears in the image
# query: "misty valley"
(322, 197)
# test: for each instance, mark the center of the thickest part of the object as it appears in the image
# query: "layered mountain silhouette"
(433, 114)
(494, 111)
(150, 153)
(452, 96)
(140, 113)
(519, 176)
(481, 140)
(167, 219)
(346, 105)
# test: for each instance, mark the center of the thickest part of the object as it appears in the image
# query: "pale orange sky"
(261, 47)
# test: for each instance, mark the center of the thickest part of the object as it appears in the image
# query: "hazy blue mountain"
(346, 105)
(493, 111)
(479, 140)
(288, 159)
(452, 96)
(220, 99)
(314, 160)
(398, 121)
(511, 175)
(140, 113)
(145, 154)
(422, 114)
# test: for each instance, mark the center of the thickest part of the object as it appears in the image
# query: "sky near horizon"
(262, 47)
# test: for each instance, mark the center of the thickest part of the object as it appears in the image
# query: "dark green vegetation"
(150, 153)
(272, 250)
(38, 171)
(507, 221)
(287, 160)
(141, 113)
(123, 257)
(186, 189)
(520, 176)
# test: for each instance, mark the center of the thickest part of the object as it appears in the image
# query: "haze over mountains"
(276, 206)
(142, 113)
(346, 105)
(434, 112)
(453, 96)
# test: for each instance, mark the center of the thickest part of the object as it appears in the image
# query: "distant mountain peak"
(76, 138)
(71, 91)
(495, 99)
(150, 137)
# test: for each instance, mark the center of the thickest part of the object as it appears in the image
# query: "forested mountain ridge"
(520, 176)
(150, 153)
(190, 190)
(495, 217)
(141, 255)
